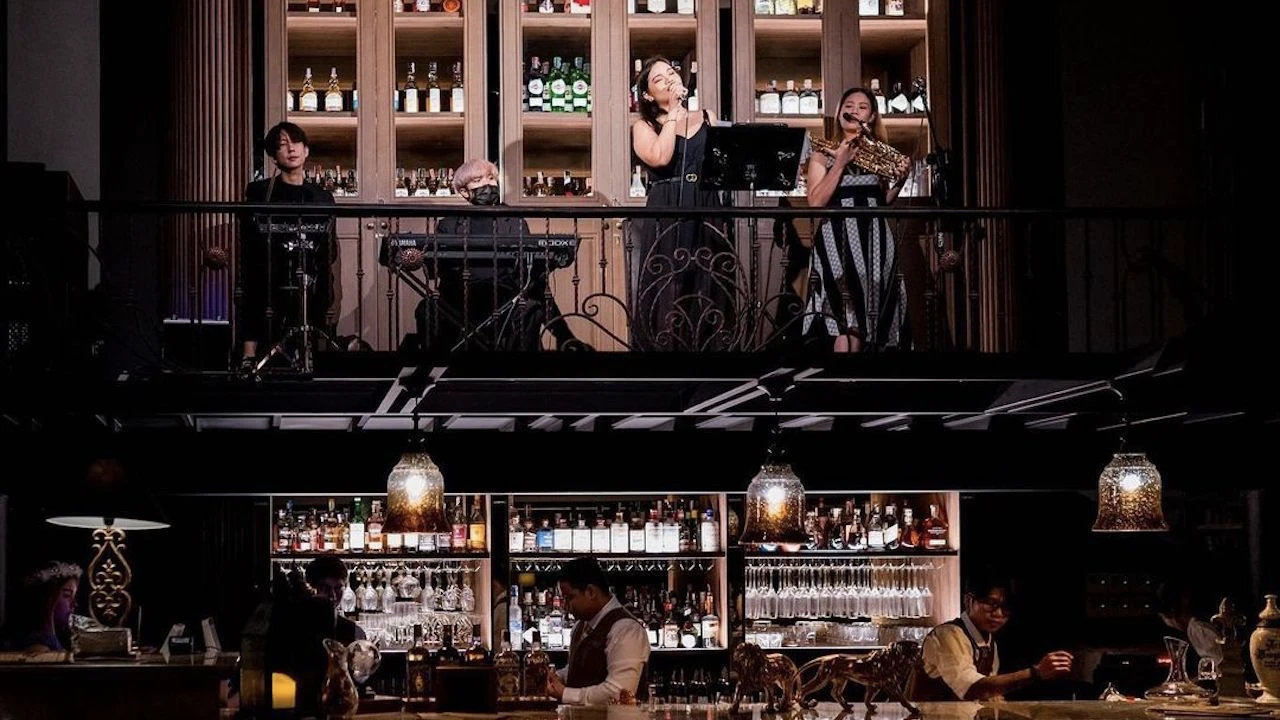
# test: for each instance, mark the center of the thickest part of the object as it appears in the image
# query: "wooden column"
(210, 148)
(986, 113)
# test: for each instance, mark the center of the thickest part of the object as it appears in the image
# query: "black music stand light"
(753, 156)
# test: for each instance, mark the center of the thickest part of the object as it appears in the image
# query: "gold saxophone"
(873, 155)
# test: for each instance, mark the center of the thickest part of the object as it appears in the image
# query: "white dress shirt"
(627, 649)
(948, 655)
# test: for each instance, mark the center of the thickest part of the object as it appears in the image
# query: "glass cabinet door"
(320, 71)
(894, 41)
(428, 96)
(549, 70)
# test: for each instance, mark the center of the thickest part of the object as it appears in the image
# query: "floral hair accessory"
(54, 572)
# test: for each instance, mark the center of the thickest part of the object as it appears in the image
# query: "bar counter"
(152, 686)
(1066, 710)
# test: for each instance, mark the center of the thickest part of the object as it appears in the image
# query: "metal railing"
(184, 281)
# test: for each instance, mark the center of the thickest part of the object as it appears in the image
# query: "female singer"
(860, 296)
(688, 272)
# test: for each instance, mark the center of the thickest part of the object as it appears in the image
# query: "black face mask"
(485, 195)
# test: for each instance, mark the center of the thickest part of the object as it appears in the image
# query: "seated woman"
(43, 620)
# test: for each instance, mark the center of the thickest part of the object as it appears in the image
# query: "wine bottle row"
(664, 528)
(358, 528)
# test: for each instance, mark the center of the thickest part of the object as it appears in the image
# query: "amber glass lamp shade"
(1130, 496)
(775, 507)
(415, 495)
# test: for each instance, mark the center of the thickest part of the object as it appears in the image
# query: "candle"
(283, 692)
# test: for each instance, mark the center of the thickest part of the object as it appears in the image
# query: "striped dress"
(859, 289)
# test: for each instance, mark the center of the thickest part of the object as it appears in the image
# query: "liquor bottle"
(935, 530)
(805, 7)
(476, 653)
(410, 102)
(307, 101)
(882, 104)
(451, 6)
(554, 632)
(339, 6)
(770, 100)
(657, 6)
(506, 665)
(546, 86)
(288, 101)
(559, 85)
(894, 8)
(457, 99)
(618, 533)
(670, 629)
(875, 530)
(533, 86)
(791, 99)
(692, 103)
(417, 668)
(433, 87)
(670, 532)
(684, 7)
(809, 98)
(374, 531)
(546, 7)
(448, 654)
(910, 535)
(918, 102)
(899, 104)
(530, 534)
(784, 7)
(764, 7)
(578, 7)
(710, 623)
(333, 98)
(546, 536)
(634, 104)
(581, 86)
(868, 7)
(562, 536)
(537, 666)
(709, 532)
(397, 5)
(515, 617)
(313, 6)
(422, 5)
(601, 539)
(515, 534)
(637, 532)
(476, 535)
(581, 537)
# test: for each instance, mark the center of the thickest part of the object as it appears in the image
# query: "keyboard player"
(520, 326)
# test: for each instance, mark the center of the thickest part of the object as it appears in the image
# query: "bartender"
(960, 658)
(609, 648)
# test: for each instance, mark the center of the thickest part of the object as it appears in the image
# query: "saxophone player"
(859, 300)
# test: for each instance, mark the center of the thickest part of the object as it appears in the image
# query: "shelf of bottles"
(664, 556)
(321, 95)
(893, 36)
(428, 97)
(395, 580)
(556, 100)
(876, 569)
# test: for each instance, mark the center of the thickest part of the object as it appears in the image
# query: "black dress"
(860, 289)
(688, 275)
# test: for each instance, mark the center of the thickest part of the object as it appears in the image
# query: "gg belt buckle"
(691, 177)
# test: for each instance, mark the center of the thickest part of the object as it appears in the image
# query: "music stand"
(305, 244)
(753, 156)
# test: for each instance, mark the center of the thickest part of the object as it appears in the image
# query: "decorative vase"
(1177, 688)
(1264, 652)
(338, 696)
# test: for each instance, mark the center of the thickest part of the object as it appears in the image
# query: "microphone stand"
(940, 161)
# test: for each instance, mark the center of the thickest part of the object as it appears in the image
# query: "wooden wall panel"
(212, 148)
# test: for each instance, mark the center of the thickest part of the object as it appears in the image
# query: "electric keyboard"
(555, 250)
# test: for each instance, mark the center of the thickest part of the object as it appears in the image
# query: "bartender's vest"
(925, 688)
(588, 659)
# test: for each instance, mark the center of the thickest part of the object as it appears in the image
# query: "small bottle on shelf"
(457, 98)
(936, 531)
(410, 102)
(506, 665)
(809, 99)
(417, 669)
(868, 7)
(894, 8)
(476, 535)
(433, 87)
(333, 98)
(536, 667)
